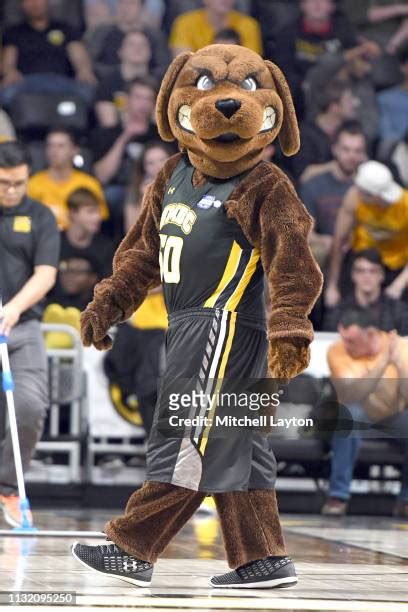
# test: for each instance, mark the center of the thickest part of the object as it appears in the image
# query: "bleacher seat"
(33, 114)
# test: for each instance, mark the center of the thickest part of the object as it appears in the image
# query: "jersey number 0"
(169, 258)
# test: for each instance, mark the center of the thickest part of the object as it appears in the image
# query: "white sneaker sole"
(139, 583)
(267, 584)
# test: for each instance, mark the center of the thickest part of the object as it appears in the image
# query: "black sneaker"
(114, 562)
(264, 573)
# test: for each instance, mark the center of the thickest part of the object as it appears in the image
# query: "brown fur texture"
(153, 516)
(163, 509)
(250, 525)
(273, 219)
(228, 66)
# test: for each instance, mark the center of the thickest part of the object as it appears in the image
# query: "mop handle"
(8, 388)
(8, 382)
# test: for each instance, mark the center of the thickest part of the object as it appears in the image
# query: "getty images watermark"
(204, 410)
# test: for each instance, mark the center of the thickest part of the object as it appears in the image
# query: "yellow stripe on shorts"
(220, 377)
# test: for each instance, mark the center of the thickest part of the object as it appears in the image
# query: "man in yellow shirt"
(196, 29)
(373, 215)
(54, 185)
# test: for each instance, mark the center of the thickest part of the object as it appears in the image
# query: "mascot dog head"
(224, 105)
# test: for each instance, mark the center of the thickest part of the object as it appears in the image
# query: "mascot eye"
(250, 84)
(205, 82)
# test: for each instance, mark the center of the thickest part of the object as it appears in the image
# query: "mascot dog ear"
(289, 137)
(163, 97)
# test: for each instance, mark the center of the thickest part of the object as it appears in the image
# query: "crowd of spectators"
(100, 64)
(346, 62)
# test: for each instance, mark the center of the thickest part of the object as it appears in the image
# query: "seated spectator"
(324, 192)
(54, 185)
(229, 36)
(117, 148)
(196, 29)
(86, 255)
(374, 214)
(319, 30)
(337, 104)
(82, 238)
(42, 55)
(369, 369)
(105, 42)
(393, 104)
(367, 275)
(77, 276)
(145, 172)
(352, 67)
(135, 55)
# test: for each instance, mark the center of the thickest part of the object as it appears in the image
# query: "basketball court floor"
(348, 564)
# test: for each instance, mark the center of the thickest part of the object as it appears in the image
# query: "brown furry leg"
(250, 525)
(153, 515)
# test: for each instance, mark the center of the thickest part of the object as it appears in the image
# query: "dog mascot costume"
(214, 224)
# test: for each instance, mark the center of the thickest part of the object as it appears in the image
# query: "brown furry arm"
(135, 269)
(274, 220)
(293, 277)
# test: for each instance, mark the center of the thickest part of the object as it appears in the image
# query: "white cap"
(375, 178)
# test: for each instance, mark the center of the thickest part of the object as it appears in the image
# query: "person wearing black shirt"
(135, 55)
(116, 149)
(337, 105)
(104, 43)
(367, 275)
(86, 255)
(29, 252)
(43, 55)
(318, 30)
(324, 191)
(77, 276)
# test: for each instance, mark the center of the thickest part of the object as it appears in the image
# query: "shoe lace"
(109, 548)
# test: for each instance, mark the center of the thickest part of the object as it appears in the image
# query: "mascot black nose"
(228, 107)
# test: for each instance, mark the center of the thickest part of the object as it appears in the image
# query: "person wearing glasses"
(29, 254)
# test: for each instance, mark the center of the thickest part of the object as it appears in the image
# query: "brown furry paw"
(94, 328)
(287, 357)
